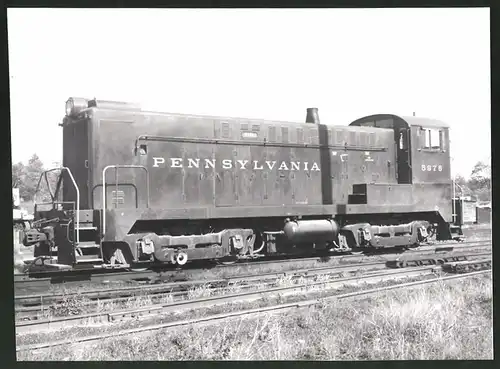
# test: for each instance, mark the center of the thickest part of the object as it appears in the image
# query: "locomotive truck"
(140, 188)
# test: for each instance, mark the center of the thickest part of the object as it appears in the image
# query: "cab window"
(432, 139)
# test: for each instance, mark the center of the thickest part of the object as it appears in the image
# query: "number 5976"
(432, 168)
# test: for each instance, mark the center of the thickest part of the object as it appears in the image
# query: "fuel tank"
(311, 230)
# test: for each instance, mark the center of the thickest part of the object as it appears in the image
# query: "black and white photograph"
(251, 184)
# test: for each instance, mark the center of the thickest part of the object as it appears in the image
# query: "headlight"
(69, 107)
(75, 105)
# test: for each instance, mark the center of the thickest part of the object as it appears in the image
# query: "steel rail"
(31, 311)
(212, 319)
(184, 285)
(267, 281)
(183, 305)
(36, 302)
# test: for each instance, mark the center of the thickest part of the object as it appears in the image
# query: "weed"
(439, 321)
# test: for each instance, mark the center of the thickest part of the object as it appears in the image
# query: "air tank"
(301, 231)
(312, 116)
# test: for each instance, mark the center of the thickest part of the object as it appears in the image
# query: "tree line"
(26, 176)
(478, 185)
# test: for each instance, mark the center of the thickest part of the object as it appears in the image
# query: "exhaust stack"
(312, 116)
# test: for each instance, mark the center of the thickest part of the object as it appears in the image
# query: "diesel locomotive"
(140, 188)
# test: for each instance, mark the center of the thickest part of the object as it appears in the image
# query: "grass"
(477, 232)
(439, 321)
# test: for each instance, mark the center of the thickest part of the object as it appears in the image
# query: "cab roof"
(408, 121)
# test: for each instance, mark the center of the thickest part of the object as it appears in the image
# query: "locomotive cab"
(422, 153)
(422, 161)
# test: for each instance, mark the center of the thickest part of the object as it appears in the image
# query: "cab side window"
(432, 139)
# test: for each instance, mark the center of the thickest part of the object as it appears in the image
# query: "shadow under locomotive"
(143, 189)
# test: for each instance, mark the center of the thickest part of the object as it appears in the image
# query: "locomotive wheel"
(228, 260)
(135, 269)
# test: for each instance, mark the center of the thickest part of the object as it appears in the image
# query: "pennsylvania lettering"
(238, 164)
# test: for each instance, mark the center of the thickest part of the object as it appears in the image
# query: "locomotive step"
(88, 259)
(87, 228)
(88, 245)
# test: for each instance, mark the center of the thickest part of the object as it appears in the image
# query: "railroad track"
(215, 318)
(30, 305)
(467, 266)
(22, 283)
(175, 287)
(182, 305)
(196, 304)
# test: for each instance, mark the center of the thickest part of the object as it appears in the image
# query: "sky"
(268, 64)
